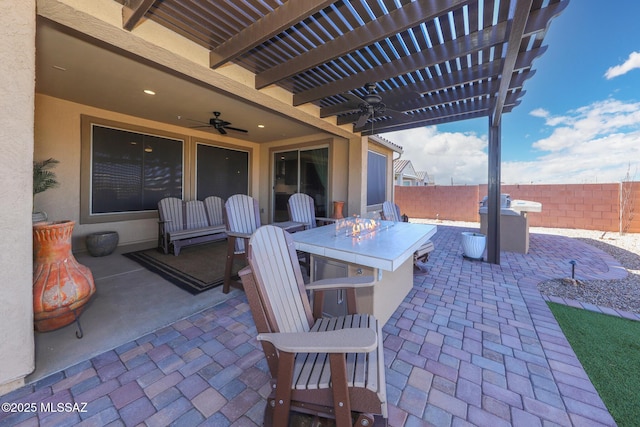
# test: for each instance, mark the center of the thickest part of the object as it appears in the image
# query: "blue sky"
(579, 121)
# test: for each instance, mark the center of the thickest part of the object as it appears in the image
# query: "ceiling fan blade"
(352, 104)
(198, 121)
(200, 127)
(354, 98)
(397, 115)
(347, 107)
(236, 129)
(362, 120)
(221, 130)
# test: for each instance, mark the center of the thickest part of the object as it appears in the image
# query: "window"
(221, 172)
(126, 170)
(304, 170)
(376, 178)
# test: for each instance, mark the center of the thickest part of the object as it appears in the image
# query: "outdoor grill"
(514, 222)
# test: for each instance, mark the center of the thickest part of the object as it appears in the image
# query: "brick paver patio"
(472, 344)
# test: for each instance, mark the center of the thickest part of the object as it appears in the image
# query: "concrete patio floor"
(472, 344)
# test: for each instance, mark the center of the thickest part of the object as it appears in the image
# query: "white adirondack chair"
(171, 219)
(171, 214)
(196, 214)
(215, 210)
(242, 218)
(391, 212)
(302, 209)
(183, 224)
(330, 366)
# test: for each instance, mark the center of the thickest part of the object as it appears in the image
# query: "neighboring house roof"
(386, 143)
(405, 168)
(424, 176)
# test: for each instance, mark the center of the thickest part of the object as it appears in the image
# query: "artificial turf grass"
(609, 349)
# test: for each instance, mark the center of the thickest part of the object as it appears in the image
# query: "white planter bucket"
(473, 244)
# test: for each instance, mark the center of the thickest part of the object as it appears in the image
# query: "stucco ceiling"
(83, 71)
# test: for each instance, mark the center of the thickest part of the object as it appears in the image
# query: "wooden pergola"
(432, 61)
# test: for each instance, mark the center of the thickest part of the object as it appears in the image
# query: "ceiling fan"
(220, 125)
(368, 106)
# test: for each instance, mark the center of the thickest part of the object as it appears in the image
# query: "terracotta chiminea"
(337, 210)
(61, 286)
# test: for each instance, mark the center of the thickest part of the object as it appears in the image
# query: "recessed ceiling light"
(149, 92)
(260, 126)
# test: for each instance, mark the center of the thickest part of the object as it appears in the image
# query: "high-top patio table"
(386, 254)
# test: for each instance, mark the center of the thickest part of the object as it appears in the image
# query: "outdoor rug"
(197, 268)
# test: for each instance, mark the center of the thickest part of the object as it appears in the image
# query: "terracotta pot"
(61, 286)
(337, 210)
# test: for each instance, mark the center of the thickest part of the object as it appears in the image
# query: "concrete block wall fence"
(581, 206)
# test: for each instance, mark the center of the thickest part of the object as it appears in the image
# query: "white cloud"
(549, 119)
(595, 143)
(540, 112)
(589, 123)
(632, 62)
(446, 156)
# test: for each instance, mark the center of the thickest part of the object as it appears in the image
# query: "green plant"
(43, 177)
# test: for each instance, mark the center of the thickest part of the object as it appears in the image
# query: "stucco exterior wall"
(17, 68)
(57, 135)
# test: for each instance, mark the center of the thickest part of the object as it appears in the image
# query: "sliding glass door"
(300, 171)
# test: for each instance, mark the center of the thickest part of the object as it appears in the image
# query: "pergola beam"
(437, 120)
(395, 22)
(518, 25)
(282, 18)
(133, 11)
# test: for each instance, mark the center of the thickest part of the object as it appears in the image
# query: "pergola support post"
(493, 205)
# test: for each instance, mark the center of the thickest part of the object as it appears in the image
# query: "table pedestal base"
(381, 300)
